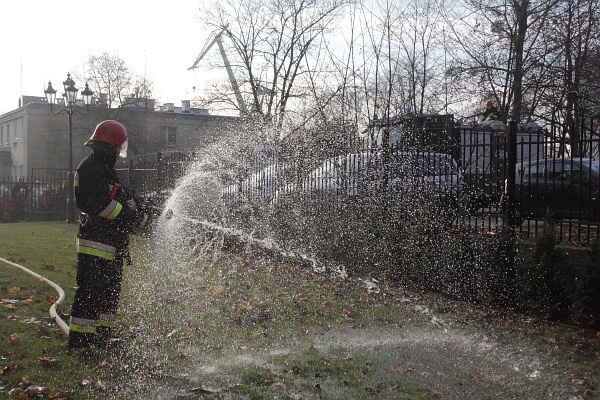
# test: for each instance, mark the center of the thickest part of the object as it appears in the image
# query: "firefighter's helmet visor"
(123, 150)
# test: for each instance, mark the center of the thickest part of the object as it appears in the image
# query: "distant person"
(491, 112)
(61, 200)
(5, 202)
(36, 193)
(43, 205)
(19, 195)
(3, 189)
(110, 213)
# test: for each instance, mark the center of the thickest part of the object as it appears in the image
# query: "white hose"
(61, 294)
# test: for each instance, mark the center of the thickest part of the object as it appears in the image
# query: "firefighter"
(491, 112)
(110, 212)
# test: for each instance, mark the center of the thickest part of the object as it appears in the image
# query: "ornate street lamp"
(70, 96)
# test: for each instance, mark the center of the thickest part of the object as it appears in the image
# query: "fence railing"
(42, 196)
(33, 198)
(491, 175)
(483, 174)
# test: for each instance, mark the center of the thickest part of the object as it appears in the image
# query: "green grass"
(235, 327)
(36, 351)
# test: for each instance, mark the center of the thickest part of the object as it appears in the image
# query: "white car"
(360, 177)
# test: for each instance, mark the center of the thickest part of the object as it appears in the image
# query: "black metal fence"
(40, 197)
(486, 176)
(43, 195)
(490, 174)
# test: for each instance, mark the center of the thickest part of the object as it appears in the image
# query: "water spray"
(61, 294)
(267, 244)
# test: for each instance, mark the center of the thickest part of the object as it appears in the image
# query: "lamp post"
(70, 96)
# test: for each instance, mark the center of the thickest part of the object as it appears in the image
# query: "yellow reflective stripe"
(82, 329)
(115, 212)
(112, 210)
(83, 325)
(96, 245)
(76, 179)
(95, 252)
(84, 321)
(106, 323)
(144, 221)
(96, 249)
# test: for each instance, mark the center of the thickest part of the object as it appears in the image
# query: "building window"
(171, 132)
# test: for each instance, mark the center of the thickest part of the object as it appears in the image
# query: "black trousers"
(96, 299)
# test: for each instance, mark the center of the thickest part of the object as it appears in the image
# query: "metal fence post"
(158, 181)
(511, 167)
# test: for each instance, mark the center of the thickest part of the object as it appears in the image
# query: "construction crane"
(217, 38)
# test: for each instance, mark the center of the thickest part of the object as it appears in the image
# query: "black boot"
(107, 337)
(79, 344)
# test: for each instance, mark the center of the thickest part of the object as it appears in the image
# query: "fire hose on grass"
(61, 294)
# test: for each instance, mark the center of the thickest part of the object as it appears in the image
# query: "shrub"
(546, 284)
(586, 300)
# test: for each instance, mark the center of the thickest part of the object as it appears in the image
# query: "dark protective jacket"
(491, 113)
(109, 212)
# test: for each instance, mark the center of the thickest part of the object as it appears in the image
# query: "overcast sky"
(43, 40)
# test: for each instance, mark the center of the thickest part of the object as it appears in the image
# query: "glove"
(146, 213)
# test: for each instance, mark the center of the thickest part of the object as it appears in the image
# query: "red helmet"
(109, 136)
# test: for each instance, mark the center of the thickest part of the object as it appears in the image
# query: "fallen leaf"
(13, 338)
(10, 306)
(49, 267)
(98, 385)
(48, 361)
(436, 395)
(246, 306)
(35, 391)
(28, 301)
(215, 290)
(14, 289)
(579, 381)
(8, 367)
(57, 394)
(18, 394)
(204, 390)
(260, 317)
(51, 299)
(295, 369)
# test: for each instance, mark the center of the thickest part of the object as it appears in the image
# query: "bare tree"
(270, 43)
(495, 42)
(574, 40)
(120, 91)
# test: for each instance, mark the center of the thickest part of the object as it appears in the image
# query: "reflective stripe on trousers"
(84, 325)
(96, 249)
